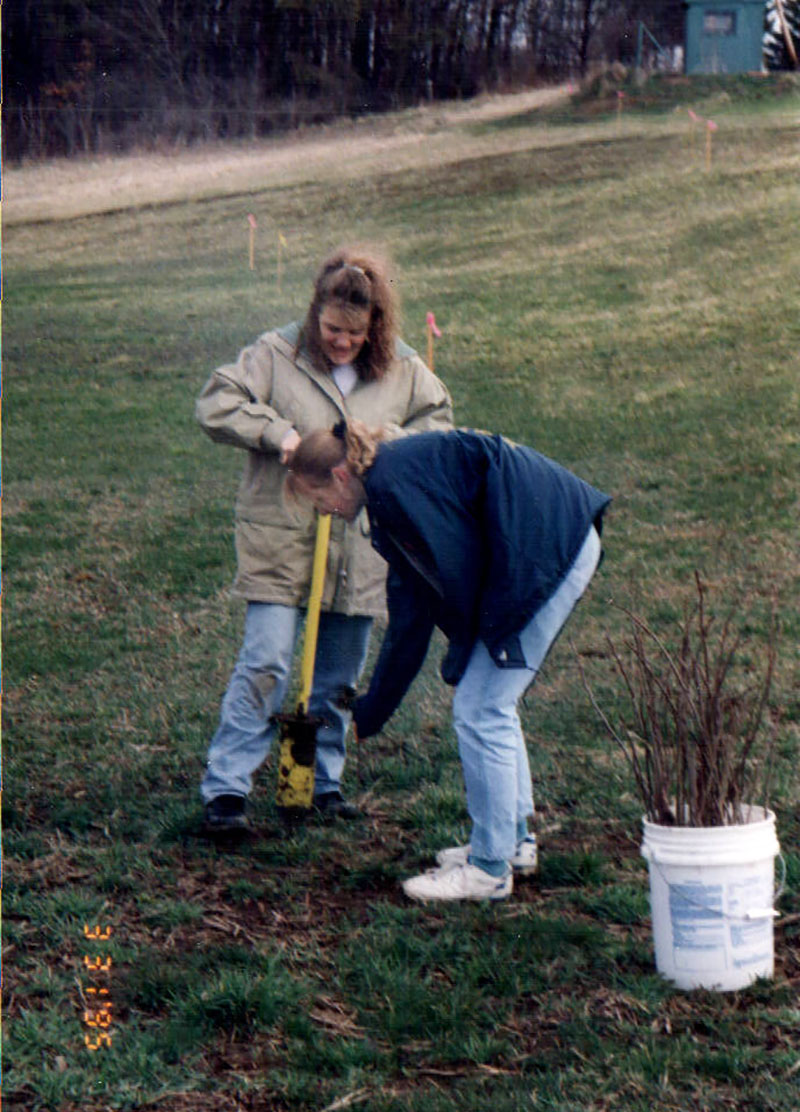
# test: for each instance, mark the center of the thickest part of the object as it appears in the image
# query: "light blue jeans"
(493, 754)
(257, 689)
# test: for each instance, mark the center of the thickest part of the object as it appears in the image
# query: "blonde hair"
(318, 453)
(356, 280)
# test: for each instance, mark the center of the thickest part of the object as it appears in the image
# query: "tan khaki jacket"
(252, 404)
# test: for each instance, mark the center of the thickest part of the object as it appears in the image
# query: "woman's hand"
(288, 446)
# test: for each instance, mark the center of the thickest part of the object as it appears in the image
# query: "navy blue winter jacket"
(478, 534)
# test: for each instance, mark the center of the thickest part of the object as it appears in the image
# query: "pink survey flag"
(432, 330)
(431, 322)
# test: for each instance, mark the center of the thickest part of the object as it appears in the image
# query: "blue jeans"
(257, 689)
(493, 754)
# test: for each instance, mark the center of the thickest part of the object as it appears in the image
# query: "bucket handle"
(750, 915)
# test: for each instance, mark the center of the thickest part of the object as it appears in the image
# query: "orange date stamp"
(97, 1001)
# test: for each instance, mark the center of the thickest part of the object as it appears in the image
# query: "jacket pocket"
(273, 560)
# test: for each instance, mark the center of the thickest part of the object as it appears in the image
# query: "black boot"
(225, 816)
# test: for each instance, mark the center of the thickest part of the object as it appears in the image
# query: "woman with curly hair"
(344, 361)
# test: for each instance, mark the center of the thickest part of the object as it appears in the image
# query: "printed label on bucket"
(751, 940)
(709, 928)
(698, 929)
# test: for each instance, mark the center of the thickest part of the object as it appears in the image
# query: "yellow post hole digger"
(298, 739)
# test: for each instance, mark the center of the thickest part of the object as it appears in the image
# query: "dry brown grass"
(418, 139)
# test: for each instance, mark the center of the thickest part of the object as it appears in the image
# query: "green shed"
(724, 36)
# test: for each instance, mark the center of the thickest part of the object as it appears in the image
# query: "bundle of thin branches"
(693, 736)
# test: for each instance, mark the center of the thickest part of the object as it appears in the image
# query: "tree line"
(86, 76)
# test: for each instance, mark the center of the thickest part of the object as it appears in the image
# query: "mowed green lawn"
(603, 296)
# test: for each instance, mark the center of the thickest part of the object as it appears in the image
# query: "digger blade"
(298, 747)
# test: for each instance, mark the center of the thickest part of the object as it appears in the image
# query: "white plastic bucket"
(711, 897)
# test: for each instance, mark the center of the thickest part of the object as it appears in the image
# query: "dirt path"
(66, 188)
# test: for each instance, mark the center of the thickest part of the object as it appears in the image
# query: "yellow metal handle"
(312, 614)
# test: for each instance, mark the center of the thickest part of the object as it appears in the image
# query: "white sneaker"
(523, 862)
(458, 882)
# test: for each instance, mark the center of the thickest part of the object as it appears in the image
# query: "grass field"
(605, 297)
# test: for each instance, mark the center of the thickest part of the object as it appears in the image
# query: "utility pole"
(787, 34)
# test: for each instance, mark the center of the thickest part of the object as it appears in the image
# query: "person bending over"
(494, 543)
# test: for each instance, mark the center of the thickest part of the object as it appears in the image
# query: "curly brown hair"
(354, 279)
(350, 442)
